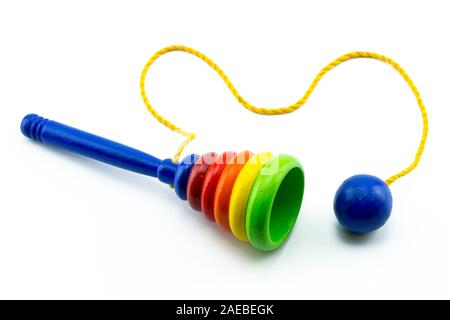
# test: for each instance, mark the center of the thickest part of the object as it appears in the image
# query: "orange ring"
(225, 186)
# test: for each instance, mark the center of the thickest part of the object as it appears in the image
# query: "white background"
(74, 228)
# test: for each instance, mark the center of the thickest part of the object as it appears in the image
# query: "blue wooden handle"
(98, 148)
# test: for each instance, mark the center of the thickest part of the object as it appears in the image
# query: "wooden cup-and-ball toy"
(257, 197)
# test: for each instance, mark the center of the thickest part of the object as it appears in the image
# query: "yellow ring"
(241, 192)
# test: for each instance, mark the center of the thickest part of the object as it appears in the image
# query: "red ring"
(210, 183)
(196, 178)
(225, 186)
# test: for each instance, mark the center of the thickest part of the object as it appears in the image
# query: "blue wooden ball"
(363, 203)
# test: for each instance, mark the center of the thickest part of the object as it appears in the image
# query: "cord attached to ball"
(363, 203)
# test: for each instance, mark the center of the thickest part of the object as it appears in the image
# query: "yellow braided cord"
(282, 110)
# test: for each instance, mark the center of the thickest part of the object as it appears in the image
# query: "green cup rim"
(274, 202)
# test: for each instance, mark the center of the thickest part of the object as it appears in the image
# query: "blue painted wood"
(89, 145)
